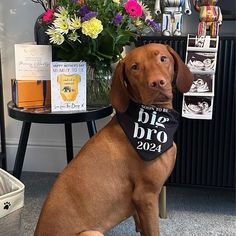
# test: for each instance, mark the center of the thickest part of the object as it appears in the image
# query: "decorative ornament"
(172, 18)
(210, 17)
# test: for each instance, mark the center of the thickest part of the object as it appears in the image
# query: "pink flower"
(48, 16)
(133, 8)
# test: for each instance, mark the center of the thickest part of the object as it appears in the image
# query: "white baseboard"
(40, 156)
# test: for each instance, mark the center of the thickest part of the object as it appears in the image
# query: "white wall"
(46, 146)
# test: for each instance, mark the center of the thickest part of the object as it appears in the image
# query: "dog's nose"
(158, 83)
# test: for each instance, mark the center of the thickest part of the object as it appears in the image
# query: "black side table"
(45, 116)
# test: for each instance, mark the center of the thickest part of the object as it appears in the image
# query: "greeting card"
(68, 86)
(32, 62)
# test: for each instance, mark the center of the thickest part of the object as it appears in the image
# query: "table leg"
(92, 129)
(4, 162)
(3, 156)
(69, 142)
(20, 155)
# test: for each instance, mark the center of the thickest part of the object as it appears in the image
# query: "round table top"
(44, 115)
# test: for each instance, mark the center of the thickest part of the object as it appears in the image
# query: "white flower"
(51, 31)
(138, 22)
(116, 1)
(146, 10)
(75, 23)
(62, 13)
(73, 36)
(55, 37)
(62, 25)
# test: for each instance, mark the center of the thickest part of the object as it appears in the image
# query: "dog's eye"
(134, 67)
(163, 58)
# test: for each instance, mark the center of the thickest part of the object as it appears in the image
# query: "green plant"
(96, 31)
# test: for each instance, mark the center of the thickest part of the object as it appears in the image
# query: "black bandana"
(149, 129)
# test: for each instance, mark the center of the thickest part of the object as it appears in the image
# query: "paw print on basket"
(6, 205)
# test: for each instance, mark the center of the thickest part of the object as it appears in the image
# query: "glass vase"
(98, 86)
(40, 36)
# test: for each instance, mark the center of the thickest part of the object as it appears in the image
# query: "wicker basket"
(11, 204)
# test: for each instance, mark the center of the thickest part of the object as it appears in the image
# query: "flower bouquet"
(95, 31)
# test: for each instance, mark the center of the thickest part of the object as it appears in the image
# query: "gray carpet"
(191, 211)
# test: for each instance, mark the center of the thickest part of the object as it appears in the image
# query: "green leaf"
(125, 37)
(104, 55)
(106, 45)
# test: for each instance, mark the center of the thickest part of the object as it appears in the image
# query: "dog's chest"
(150, 130)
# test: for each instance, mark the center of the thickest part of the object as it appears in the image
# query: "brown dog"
(108, 181)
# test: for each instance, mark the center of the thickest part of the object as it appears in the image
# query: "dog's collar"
(149, 129)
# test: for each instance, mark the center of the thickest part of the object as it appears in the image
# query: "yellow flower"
(92, 27)
(116, 1)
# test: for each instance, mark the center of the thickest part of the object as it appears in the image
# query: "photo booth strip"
(203, 85)
(197, 107)
(201, 62)
(201, 59)
(202, 44)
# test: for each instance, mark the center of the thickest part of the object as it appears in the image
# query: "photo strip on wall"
(201, 59)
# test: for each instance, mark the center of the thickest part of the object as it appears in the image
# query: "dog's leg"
(91, 233)
(146, 204)
(138, 227)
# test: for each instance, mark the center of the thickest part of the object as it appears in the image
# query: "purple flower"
(117, 19)
(88, 16)
(153, 24)
(84, 10)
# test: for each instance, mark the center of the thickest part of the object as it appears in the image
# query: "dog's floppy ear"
(119, 94)
(184, 76)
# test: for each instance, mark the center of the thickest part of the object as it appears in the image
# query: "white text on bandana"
(149, 129)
